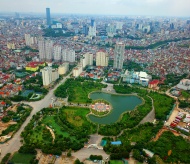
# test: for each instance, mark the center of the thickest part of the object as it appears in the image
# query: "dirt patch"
(162, 131)
(12, 108)
(44, 158)
(4, 126)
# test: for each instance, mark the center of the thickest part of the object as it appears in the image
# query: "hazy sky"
(106, 7)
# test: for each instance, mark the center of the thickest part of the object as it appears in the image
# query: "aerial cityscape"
(84, 82)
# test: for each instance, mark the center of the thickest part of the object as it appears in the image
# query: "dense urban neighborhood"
(94, 89)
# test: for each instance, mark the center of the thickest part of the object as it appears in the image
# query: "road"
(14, 144)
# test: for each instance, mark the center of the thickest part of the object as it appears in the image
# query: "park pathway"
(150, 116)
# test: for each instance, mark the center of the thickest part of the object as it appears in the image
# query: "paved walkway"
(150, 116)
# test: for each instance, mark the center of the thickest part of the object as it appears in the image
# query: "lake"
(120, 104)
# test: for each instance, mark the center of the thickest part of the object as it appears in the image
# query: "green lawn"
(76, 116)
(77, 90)
(50, 121)
(162, 104)
(116, 162)
(22, 158)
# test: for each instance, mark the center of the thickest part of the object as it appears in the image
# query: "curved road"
(14, 144)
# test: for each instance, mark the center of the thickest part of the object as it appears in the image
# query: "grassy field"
(162, 104)
(22, 158)
(77, 90)
(50, 121)
(76, 116)
(116, 162)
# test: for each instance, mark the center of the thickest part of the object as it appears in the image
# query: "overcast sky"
(104, 7)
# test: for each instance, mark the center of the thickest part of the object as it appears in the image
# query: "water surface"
(120, 104)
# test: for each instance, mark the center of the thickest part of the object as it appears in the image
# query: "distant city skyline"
(106, 7)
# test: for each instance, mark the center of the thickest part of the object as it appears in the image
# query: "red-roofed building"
(153, 84)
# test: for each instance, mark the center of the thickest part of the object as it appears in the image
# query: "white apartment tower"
(55, 74)
(87, 59)
(77, 71)
(57, 52)
(102, 58)
(119, 55)
(68, 55)
(30, 40)
(64, 68)
(47, 75)
(41, 47)
(111, 30)
(27, 39)
(49, 49)
(92, 31)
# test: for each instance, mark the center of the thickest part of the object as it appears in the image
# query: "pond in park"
(120, 104)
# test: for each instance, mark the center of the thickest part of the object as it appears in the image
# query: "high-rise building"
(85, 30)
(57, 52)
(64, 68)
(92, 28)
(87, 59)
(49, 49)
(33, 40)
(119, 25)
(119, 55)
(46, 75)
(102, 58)
(92, 31)
(92, 23)
(111, 30)
(77, 71)
(41, 47)
(49, 75)
(68, 55)
(48, 17)
(27, 39)
(45, 49)
(55, 74)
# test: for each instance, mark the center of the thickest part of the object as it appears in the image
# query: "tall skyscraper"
(85, 30)
(92, 23)
(45, 49)
(49, 49)
(27, 39)
(102, 58)
(48, 17)
(41, 47)
(57, 52)
(46, 75)
(119, 55)
(87, 59)
(68, 55)
(92, 28)
(49, 75)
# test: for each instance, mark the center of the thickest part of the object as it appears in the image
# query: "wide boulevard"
(14, 144)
